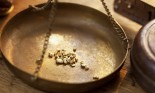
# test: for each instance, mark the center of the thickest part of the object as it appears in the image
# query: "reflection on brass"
(76, 26)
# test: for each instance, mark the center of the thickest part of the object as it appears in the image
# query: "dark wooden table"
(122, 84)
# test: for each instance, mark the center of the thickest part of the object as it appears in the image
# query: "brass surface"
(76, 26)
(143, 57)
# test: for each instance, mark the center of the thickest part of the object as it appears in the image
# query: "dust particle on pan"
(59, 61)
(74, 50)
(96, 78)
(84, 66)
(81, 62)
(50, 55)
(72, 65)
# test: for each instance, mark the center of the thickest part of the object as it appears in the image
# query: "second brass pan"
(76, 26)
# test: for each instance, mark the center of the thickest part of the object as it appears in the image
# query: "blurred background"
(6, 6)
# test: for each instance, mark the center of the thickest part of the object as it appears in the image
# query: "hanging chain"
(39, 62)
(114, 24)
(48, 34)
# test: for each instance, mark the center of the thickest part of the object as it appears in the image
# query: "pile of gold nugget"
(63, 58)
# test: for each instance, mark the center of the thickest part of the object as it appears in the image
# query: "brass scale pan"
(76, 26)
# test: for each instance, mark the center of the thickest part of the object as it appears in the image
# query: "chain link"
(39, 62)
(114, 24)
